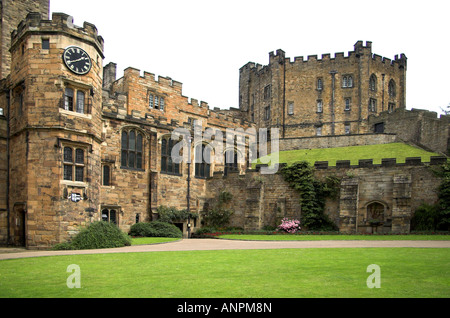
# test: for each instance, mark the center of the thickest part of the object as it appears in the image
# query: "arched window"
(347, 81)
(132, 149)
(231, 161)
(391, 88)
(167, 164)
(375, 212)
(202, 161)
(319, 84)
(373, 82)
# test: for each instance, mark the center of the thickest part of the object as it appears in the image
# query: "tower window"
(319, 84)
(348, 103)
(372, 105)
(391, 88)
(74, 163)
(373, 83)
(75, 100)
(45, 44)
(347, 81)
(291, 108)
(267, 113)
(267, 91)
(319, 106)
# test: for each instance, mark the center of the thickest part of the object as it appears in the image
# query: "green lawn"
(335, 237)
(283, 273)
(400, 151)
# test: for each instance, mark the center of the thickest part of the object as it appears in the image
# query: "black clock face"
(77, 60)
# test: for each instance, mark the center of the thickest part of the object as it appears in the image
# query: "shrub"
(289, 226)
(171, 214)
(155, 229)
(97, 235)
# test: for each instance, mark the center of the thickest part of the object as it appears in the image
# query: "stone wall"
(11, 14)
(421, 127)
(398, 189)
(335, 141)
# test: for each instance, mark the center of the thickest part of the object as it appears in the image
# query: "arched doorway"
(375, 215)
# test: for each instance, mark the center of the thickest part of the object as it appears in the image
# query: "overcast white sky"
(203, 43)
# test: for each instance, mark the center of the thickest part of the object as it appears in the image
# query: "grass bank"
(400, 151)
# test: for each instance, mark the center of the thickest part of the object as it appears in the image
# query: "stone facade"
(78, 148)
(372, 198)
(421, 127)
(12, 13)
(327, 96)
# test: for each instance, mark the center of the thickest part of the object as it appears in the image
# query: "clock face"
(77, 60)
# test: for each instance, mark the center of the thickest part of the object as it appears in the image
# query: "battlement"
(60, 23)
(364, 164)
(359, 50)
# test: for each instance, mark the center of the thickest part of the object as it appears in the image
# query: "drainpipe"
(382, 100)
(8, 137)
(333, 82)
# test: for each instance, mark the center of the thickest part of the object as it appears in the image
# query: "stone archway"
(376, 215)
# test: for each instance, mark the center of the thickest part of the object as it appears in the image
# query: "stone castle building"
(78, 144)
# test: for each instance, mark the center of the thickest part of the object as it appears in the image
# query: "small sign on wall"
(75, 197)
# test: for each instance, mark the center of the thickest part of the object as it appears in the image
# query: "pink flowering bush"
(289, 226)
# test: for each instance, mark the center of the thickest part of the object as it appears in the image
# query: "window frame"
(290, 108)
(167, 164)
(202, 169)
(156, 101)
(75, 164)
(319, 106)
(138, 154)
(72, 102)
(108, 215)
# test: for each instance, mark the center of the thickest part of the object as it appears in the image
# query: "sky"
(204, 43)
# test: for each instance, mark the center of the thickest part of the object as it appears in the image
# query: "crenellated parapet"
(60, 23)
(279, 57)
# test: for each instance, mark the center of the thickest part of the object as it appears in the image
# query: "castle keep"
(78, 144)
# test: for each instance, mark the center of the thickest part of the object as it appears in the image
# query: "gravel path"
(215, 244)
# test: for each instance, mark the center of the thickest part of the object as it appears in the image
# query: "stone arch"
(376, 210)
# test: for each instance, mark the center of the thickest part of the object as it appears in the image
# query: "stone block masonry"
(372, 198)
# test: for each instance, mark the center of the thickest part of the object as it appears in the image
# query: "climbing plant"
(313, 194)
(219, 215)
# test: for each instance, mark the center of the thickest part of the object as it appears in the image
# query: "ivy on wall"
(313, 194)
(436, 216)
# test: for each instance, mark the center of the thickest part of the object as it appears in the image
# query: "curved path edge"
(223, 244)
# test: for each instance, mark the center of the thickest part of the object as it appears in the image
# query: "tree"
(446, 110)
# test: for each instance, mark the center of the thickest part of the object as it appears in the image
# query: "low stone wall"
(336, 141)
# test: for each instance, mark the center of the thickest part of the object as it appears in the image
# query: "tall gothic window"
(202, 160)
(167, 164)
(231, 161)
(391, 88)
(373, 82)
(132, 149)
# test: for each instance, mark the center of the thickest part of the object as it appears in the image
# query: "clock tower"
(55, 97)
